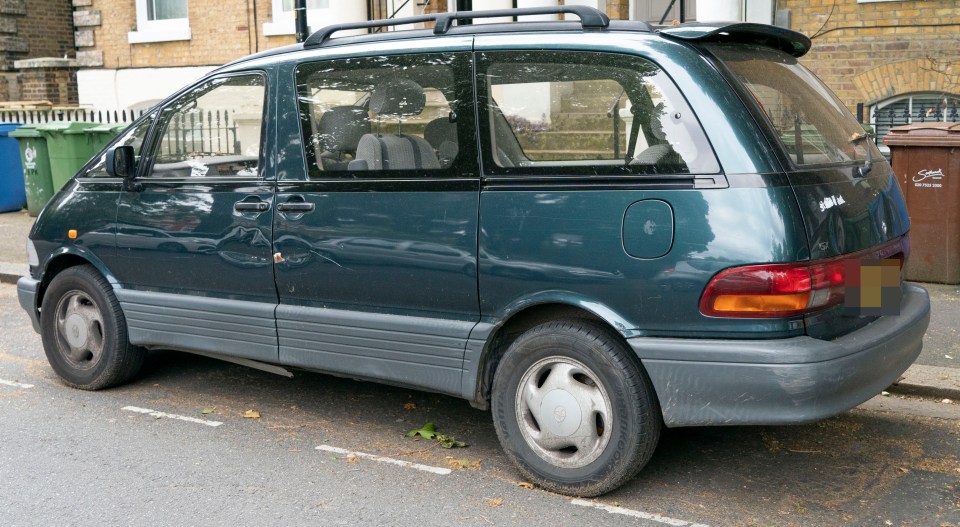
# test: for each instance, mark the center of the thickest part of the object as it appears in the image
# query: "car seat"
(338, 135)
(395, 98)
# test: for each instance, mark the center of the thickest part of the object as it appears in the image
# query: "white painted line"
(158, 415)
(637, 514)
(381, 459)
(16, 384)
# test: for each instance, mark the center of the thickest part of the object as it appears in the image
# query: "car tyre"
(574, 409)
(84, 331)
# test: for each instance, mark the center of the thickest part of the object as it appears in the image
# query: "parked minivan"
(593, 228)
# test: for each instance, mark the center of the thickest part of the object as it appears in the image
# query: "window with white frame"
(283, 16)
(160, 21)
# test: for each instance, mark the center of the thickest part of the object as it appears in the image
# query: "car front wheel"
(85, 333)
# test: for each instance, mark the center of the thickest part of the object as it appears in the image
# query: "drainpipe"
(300, 15)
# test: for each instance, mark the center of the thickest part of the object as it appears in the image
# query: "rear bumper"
(27, 295)
(795, 380)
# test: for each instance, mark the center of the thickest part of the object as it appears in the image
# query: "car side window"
(586, 113)
(212, 131)
(133, 136)
(386, 116)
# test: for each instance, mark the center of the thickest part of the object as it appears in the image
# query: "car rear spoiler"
(791, 42)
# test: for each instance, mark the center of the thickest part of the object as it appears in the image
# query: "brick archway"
(909, 76)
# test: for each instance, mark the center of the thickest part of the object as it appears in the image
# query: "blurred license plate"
(873, 287)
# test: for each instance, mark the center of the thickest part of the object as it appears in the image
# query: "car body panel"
(570, 243)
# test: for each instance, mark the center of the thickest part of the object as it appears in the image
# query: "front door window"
(212, 132)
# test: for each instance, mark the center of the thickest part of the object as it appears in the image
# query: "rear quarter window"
(809, 121)
(586, 113)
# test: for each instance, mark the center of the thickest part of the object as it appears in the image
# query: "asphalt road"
(69, 457)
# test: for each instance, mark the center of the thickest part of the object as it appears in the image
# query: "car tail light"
(784, 290)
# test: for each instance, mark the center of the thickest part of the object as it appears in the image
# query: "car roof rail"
(590, 19)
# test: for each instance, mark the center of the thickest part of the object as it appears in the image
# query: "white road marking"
(381, 459)
(158, 415)
(637, 514)
(16, 384)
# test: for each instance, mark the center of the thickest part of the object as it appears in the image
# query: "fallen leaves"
(429, 431)
(460, 464)
(353, 459)
(495, 502)
(524, 485)
(251, 414)
(208, 410)
(409, 406)
(770, 441)
(449, 442)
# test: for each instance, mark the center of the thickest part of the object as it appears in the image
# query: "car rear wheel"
(84, 332)
(574, 409)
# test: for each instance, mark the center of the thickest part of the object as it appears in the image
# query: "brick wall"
(872, 51)
(34, 29)
(48, 29)
(618, 9)
(57, 85)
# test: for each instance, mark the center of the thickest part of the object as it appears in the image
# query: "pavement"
(935, 374)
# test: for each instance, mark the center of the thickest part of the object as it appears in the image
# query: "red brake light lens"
(785, 290)
(763, 291)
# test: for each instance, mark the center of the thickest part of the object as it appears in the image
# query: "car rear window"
(811, 123)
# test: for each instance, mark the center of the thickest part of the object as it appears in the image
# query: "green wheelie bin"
(102, 134)
(70, 148)
(36, 167)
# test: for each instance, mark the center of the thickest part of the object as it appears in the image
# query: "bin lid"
(924, 134)
(6, 128)
(27, 130)
(107, 128)
(65, 127)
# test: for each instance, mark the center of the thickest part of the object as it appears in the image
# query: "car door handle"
(251, 206)
(296, 206)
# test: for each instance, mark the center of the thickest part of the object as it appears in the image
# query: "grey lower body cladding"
(410, 351)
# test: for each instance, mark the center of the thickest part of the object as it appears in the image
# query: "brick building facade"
(220, 31)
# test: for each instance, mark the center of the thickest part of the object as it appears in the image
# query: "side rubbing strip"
(191, 323)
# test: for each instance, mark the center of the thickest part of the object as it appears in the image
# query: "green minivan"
(593, 228)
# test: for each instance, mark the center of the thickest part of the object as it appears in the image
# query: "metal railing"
(884, 119)
(37, 116)
(208, 132)
(203, 131)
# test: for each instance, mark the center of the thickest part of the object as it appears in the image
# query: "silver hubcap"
(80, 328)
(564, 412)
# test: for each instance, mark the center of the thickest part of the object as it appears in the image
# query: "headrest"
(341, 127)
(398, 97)
(439, 130)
